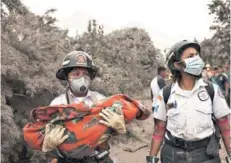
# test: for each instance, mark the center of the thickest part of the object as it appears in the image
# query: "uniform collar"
(72, 97)
(177, 90)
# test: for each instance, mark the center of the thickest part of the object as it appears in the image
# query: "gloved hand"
(152, 159)
(53, 137)
(113, 119)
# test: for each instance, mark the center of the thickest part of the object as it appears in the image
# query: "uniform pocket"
(204, 116)
(175, 121)
(173, 112)
(205, 109)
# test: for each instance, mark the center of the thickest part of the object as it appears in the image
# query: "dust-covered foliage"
(126, 59)
(217, 49)
(32, 51)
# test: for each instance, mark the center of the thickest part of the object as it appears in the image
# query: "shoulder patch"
(159, 98)
(220, 93)
(203, 95)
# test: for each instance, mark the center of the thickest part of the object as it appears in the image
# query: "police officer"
(78, 70)
(184, 121)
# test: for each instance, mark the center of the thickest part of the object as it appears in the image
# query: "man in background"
(204, 74)
(209, 71)
(158, 83)
(214, 75)
(223, 81)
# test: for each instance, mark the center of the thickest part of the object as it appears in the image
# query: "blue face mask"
(194, 65)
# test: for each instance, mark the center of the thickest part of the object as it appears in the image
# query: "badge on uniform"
(155, 108)
(220, 93)
(203, 95)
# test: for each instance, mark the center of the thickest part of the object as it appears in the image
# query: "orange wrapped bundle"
(81, 123)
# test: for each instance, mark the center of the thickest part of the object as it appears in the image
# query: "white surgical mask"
(194, 65)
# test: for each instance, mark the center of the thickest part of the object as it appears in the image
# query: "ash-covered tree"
(217, 49)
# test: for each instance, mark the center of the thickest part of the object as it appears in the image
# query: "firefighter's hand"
(53, 137)
(113, 119)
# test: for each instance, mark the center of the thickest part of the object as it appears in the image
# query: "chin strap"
(67, 97)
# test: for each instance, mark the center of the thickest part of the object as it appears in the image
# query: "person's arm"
(222, 112)
(50, 158)
(226, 83)
(159, 115)
(224, 126)
(158, 136)
(227, 89)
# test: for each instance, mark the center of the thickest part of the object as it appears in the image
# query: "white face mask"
(79, 85)
(194, 65)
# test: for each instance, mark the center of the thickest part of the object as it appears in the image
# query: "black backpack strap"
(67, 97)
(167, 92)
(151, 94)
(160, 82)
(210, 89)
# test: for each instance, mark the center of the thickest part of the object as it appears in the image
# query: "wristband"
(157, 137)
(223, 122)
(152, 159)
(227, 132)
